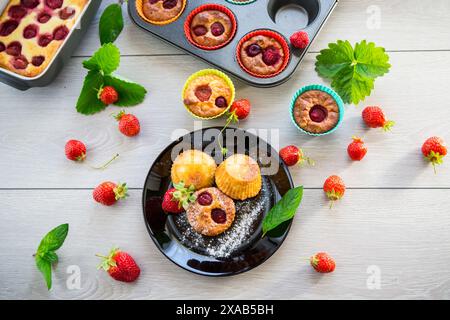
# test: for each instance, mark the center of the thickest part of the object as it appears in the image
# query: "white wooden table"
(395, 217)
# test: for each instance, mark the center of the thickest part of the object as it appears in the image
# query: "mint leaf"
(88, 102)
(283, 210)
(111, 23)
(352, 71)
(130, 93)
(54, 239)
(46, 256)
(106, 59)
(45, 267)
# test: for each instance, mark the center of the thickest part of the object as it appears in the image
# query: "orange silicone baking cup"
(187, 24)
(139, 9)
(267, 33)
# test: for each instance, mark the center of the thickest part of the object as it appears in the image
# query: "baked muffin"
(212, 213)
(211, 28)
(316, 111)
(239, 177)
(32, 31)
(263, 54)
(160, 11)
(208, 95)
(194, 167)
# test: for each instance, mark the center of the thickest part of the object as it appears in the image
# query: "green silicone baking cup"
(240, 2)
(332, 93)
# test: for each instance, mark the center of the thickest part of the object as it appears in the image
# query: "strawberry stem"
(231, 118)
(104, 166)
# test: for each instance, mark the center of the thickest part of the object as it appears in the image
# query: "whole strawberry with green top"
(128, 124)
(334, 188)
(75, 150)
(120, 266)
(177, 199)
(108, 193)
(374, 117)
(434, 149)
(322, 262)
(108, 95)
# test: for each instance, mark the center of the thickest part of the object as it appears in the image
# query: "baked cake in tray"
(32, 31)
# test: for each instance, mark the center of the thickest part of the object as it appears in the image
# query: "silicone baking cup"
(205, 7)
(139, 9)
(332, 93)
(207, 72)
(269, 33)
(240, 2)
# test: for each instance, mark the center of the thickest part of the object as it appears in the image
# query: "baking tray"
(282, 16)
(61, 57)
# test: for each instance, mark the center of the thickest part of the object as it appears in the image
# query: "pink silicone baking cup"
(187, 24)
(267, 33)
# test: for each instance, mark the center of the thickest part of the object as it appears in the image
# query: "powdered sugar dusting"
(249, 214)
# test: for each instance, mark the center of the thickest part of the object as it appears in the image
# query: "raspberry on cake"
(263, 53)
(32, 31)
(212, 213)
(208, 95)
(210, 26)
(161, 11)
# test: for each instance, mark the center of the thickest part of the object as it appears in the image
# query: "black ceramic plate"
(240, 248)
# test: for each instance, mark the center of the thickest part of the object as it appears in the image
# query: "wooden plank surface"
(394, 216)
(410, 247)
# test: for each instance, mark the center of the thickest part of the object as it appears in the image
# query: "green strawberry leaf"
(54, 239)
(88, 102)
(45, 267)
(130, 93)
(50, 256)
(352, 71)
(283, 210)
(111, 23)
(106, 59)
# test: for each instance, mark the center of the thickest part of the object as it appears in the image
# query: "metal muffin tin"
(282, 16)
(63, 54)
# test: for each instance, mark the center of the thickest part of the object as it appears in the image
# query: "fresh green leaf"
(283, 210)
(106, 59)
(54, 239)
(130, 93)
(111, 23)
(46, 256)
(88, 102)
(352, 71)
(45, 267)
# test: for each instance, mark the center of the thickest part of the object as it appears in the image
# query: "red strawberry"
(120, 266)
(300, 39)
(108, 193)
(108, 95)
(177, 199)
(322, 262)
(334, 188)
(374, 118)
(128, 124)
(434, 149)
(356, 149)
(75, 150)
(241, 109)
(293, 155)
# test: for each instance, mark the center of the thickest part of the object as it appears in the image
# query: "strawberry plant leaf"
(111, 23)
(45, 267)
(106, 59)
(283, 210)
(130, 93)
(88, 102)
(352, 71)
(54, 239)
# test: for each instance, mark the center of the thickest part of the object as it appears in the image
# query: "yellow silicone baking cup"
(139, 6)
(205, 72)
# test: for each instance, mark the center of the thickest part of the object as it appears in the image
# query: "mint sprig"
(101, 68)
(46, 256)
(352, 71)
(283, 210)
(111, 23)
